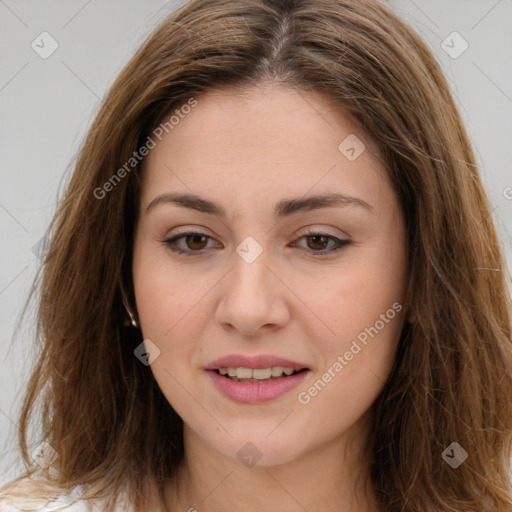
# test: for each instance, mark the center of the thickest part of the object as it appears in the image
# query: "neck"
(330, 477)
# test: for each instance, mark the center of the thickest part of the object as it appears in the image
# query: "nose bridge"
(250, 273)
(251, 293)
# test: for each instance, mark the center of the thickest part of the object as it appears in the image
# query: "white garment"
(54, 506)
(63, 502)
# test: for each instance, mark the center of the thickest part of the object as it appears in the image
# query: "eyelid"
(185, 230)
(339, 243)
(312, 230)
(168, 240)
(308, 230)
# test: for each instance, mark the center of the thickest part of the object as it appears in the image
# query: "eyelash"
(341, 244)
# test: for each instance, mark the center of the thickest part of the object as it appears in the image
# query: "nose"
(253, 298)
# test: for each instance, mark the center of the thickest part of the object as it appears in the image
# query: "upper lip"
(260, 361)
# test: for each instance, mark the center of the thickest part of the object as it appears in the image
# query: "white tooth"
(256, 373)
(244, 373)
(277, 371)
(262, 373)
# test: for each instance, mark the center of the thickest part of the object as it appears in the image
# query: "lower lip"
(256, 392)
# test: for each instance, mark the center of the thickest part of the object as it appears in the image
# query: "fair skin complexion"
(299, 299)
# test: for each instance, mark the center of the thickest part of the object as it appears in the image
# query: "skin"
(247, 151)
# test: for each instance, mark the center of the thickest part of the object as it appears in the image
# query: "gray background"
(46, 106)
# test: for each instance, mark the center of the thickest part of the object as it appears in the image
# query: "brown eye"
(319, 242)
(195, 241)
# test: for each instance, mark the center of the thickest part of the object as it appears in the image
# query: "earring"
(131, 320)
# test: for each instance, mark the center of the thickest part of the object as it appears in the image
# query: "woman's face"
(275, 277)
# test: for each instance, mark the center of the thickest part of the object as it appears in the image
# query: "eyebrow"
(283, 208)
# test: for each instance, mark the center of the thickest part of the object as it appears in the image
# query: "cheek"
(355, 299)
(362, 307)
(163, 303)
(357, 360)
(169, 312)
(165, 294)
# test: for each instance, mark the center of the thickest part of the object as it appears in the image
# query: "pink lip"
(256, 392)
(261, 361)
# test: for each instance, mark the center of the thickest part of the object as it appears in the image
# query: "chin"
(251, 449)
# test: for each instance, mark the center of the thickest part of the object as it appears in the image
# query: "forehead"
(274, 115)
(269, 141)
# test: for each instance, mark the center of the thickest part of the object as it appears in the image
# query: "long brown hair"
(102, 410)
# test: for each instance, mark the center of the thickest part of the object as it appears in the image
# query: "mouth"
(256, 378)
(258, 375)
(253, 386)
